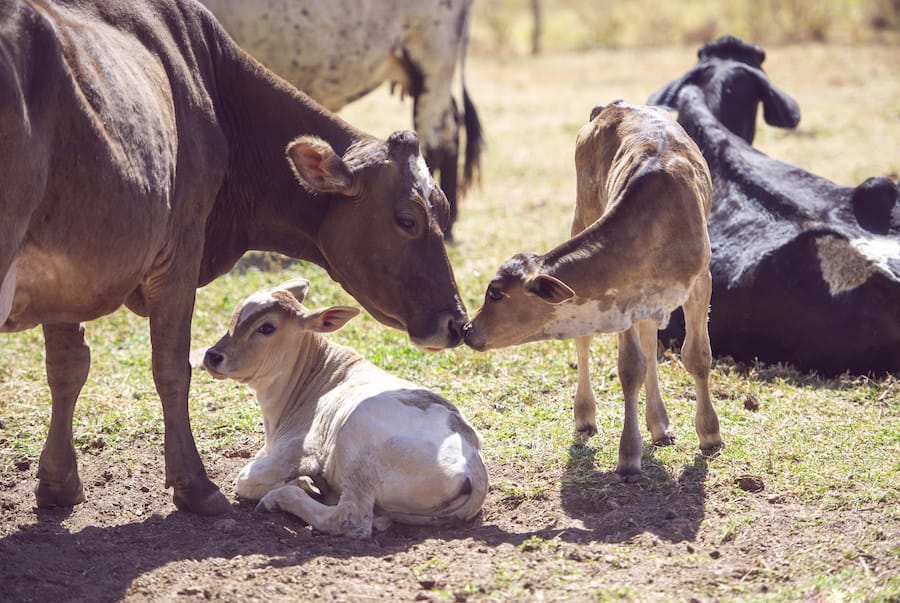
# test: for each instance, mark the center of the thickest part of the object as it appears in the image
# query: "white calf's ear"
(548, 288)
(297, 287)
(326, 320)
(318, 168)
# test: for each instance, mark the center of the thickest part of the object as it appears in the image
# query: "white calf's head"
(268, 330)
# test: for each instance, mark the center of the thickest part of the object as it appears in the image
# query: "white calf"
(386, 449)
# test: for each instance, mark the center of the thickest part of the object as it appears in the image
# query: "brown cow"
(143, 154)
(639, 249)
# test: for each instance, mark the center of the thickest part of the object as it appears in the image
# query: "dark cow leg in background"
(448, 166)
(68, 362)
(697, 358)
(632, 370)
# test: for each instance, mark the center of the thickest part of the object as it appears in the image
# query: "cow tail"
(474, 139)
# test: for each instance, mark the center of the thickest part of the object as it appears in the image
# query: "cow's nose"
(455, 332)
(213, 358)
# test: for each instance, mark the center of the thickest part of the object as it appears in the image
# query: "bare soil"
(590, 537)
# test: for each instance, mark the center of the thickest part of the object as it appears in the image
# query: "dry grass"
(508, 25)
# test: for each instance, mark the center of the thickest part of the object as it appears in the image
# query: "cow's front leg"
(697, 358)
(632, 368)
(266, 473)
(655, 413)
(68, 363)
(170, 302)
(585, 402)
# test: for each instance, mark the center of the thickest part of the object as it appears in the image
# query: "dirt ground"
(654, 540)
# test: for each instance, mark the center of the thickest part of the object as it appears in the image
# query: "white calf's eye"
(266, 328)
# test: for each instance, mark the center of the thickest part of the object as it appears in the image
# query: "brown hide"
(144, 153)
(639, 249)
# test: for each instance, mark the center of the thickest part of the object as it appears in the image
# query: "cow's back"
(338, 50)
(115, 143)
(633, 162)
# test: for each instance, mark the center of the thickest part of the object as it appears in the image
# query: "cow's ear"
(667, 96)
(548, 288)
(318, 168)
(326, 320)
(779, 109)
(297, 287)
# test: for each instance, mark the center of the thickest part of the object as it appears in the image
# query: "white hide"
(847, 264)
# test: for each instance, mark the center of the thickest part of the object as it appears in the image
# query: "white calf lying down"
(387, 449)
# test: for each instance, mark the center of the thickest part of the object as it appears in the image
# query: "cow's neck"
(261, 206)
(289, 396)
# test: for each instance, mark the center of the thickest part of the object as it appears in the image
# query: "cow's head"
(520, 305)
(268, 332)
(729, 72)
(382, 233)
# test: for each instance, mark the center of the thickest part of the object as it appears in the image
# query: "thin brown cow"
(143, 154)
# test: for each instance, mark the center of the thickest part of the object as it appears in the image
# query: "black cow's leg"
(68, 363)
(170, 304)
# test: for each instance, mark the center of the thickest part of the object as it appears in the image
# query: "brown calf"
(639, 249)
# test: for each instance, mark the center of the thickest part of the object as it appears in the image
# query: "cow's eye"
(494, 294)
(266, 328)
(407, 224)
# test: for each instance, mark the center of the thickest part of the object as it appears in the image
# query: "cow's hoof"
(585, 431)
(67, 494)
(666, 440)
(630, 478)
(202, 498)
(712, 450)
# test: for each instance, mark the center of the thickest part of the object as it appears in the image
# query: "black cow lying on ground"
(804, 271)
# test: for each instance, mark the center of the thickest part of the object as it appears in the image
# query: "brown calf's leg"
(655, 411)
(68, 363)
(585, 402)
(632, 369)
(697, 358)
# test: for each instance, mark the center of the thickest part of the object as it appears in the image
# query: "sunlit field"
(827, 447)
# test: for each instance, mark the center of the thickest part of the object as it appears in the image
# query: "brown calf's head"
(382, 236)
(264, 328)
(520, 302)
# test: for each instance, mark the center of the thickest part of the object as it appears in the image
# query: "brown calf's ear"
(297, 287)
(326, 320)
(548, 288)
(318, 167)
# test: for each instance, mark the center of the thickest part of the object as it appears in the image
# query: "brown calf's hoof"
(712, 450)
(585, 431)
(666, 440)
(49, 495)
(202, 497)
(631, 478)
